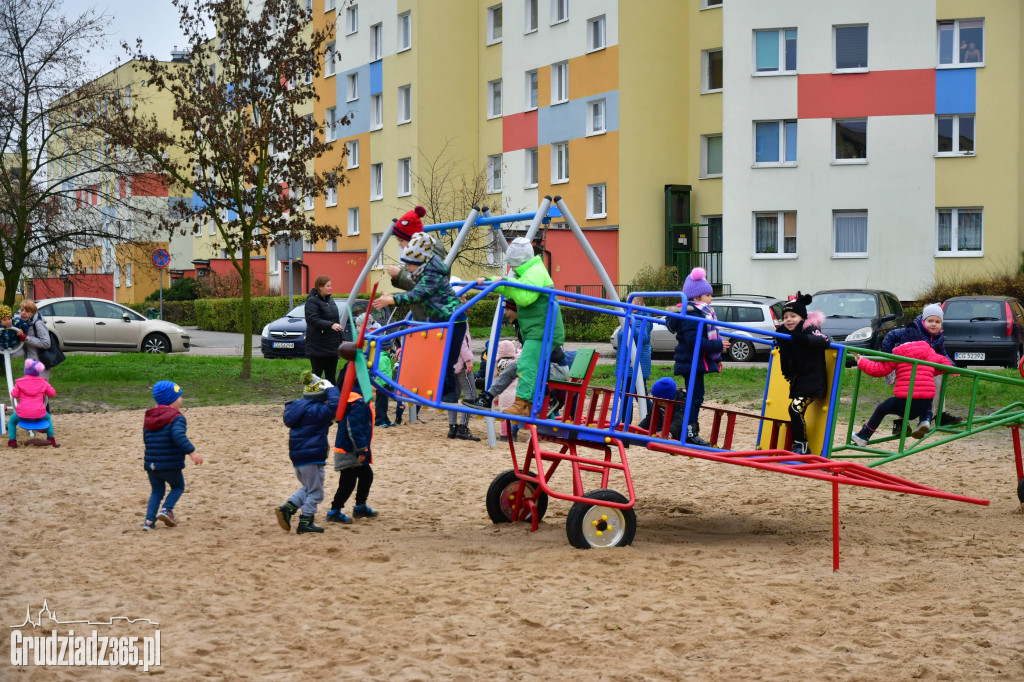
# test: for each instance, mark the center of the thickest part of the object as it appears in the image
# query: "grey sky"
(155, 21)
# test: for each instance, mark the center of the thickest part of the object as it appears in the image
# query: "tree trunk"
(246, 276)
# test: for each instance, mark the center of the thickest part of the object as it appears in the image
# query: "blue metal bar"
(496, 221)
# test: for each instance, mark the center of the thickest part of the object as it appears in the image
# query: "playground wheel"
(156, 343)
(1020, 490)
(741, 351)
(502, 493)
(593, 525)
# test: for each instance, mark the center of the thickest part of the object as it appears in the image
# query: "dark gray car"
(858, 317)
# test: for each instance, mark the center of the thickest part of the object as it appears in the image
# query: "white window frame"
(780, 218)
(308, 202)
(532, 166)
(851, 214)
(331, 245)
(531, 20)
(704, 156)
(844, 162)
(599, 24)
(404, 31)
(377, 111)
(330, 67)
(532, 96)
(330, 124)
(593, 107)
(782, 70)
(329, 5)
(559, 162)
(377, 42)
(352, 87)
(351, 19)
(352, 154)
(404, 177)
(375, 238)
(404, 104)
(705, 72)
(782, 162)
(128, 275)
(560, 83)
(495, 21)
(956, 63)
(353, 222)
(494, 174)
(376, 181)
(956, 135)
(494, 103)
(835, 45)
(711, 4)
(595, 212)
(559, 11)
(954, 251)
(331, 196)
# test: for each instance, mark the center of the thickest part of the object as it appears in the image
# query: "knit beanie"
(313, 387)
(932, 309)
(419, 250)
(166, 392)
(506, 349)
(664, 389)
(409, 224)
(33, 367)
(696, 284)
(798, 305)
(5, 311)
(519, 251)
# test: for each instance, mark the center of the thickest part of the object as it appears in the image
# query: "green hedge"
(178, 312)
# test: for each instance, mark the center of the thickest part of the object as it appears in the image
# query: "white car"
(97, 325)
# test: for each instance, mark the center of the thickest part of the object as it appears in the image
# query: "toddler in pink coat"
(31, 391)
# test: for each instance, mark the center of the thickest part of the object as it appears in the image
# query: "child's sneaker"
(338, 516)
(306, 525)
(859, 439)
(149, 525)
(285, 513)
(362, 511)
(167, 516)
(923, 427)
(800, 448)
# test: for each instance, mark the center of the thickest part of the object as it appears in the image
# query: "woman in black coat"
(323, 329)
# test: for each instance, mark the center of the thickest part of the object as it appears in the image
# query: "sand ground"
(729, 576)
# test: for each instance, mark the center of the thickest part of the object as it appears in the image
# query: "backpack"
(52, 356)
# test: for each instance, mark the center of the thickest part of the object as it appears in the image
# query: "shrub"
(184, 289)
(1006, 284)
(657, 278)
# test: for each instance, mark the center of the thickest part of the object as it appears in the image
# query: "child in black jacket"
(352, 457)
(802, 356)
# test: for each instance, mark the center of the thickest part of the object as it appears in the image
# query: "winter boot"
(306, 525)
(897, 426)
(12, 443)
(285, 513)
(338, 516)
(481, 402)
(452, 430)
(520, 408)
(363, 511)
(52, 441)
(693, 436)
(462, 433)
(800, 448)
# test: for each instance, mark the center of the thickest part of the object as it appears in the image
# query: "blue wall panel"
(358, 110)
(377, 77)
(955, 91)
(568, 121)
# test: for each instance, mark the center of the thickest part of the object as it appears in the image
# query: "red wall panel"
(569, 264)
(519, 131)
(877, 93)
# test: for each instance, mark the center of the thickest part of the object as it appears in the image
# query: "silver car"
(97, 325)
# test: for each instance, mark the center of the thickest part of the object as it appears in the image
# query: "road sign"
(161, 258)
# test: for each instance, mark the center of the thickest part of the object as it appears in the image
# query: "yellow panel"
(776, 405)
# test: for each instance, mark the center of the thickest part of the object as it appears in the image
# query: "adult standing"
(323, 329)
(36, 336)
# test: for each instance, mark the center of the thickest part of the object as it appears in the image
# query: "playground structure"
(591, 436)
(7, 408)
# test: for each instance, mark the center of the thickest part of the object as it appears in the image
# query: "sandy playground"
(729, 576)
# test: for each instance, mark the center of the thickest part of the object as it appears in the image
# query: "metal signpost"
(161, 259)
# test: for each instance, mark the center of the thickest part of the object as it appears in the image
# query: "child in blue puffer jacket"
(163, 432)
(309, 422)
(352, 457)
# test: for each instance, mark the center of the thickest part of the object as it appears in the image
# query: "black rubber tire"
(156, 343)
(1020, 490)
(584, 517)
(1017, 358)
(741, 351)
(497, 497)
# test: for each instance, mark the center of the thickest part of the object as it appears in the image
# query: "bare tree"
(247, 140)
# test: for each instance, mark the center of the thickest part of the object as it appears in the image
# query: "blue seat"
(33, 424)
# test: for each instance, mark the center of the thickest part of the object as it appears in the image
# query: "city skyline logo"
(51, 615)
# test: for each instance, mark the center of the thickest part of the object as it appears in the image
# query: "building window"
(775, 234)
(597, 202)
(710, 4)
(849, 234)
(376, 42)
(352, 19)
(307, 202)
(376, 181)
(128, 274)
(531, 16)
(955, 135)
(959, 232)
(711, 156)
(353, 86)
(774, 143)
(596, 34)
(559, 11)
(494, 99)
(405, 104)
(596, 117)
(962, 42)
(494, 173)
(353, 222)
(330, 125)
(404, 177)
(559, 162)
(329, 56)
(331, 245)
(117, 276)
(850, 47)
(494, 24)
(531, 90)
(851, 140)
(352, 154)
(560, 82)
(531, 168)
(376, 112)
(311, 127)
(328, 5)
(375, 238)
(775, 51)
(404, 31)
(711, 61)
(332, 194)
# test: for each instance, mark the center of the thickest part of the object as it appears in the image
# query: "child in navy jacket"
(163, 432)
(309, 422)
(352, 457)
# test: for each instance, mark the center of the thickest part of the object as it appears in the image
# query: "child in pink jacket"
(467, 387)
(31, 391)
(924, 388)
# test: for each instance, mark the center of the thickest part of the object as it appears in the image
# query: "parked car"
(759, 312)
(94, 324)
(858, 317)
(984, 330)
(285, 337)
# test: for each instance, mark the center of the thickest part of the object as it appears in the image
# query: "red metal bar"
(835, 526)
(1016, 447)
(716, 424)
(730, 426)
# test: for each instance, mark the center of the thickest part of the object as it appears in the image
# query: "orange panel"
(421, 369)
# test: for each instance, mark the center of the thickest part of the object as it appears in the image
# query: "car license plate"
(969, 356)
(284, 344)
